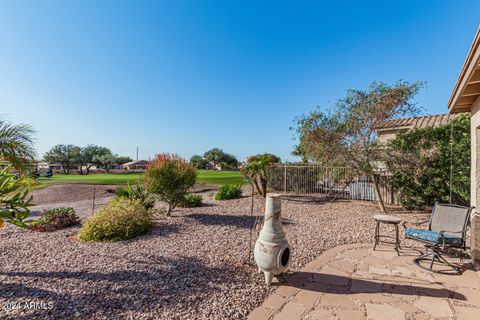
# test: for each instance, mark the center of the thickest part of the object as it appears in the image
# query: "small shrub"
(121, 219)
(138, 193)
(169, 177)
(55, 219)
(228, 191)
(191, 201)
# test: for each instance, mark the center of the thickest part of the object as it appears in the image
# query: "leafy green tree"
(229, 161)
(217, 156)
(108, 160)
(300, 153)
(198, 162)
(91, 155)
(121, 159)
(15, 199)
(16, 143)
(67, 155)
(169, 177)
(256, 169)
(105, 161)
(214, 156)
(426, 164)
(346, 135)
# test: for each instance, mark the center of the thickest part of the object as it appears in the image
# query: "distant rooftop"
(417, 122)
(135, 162)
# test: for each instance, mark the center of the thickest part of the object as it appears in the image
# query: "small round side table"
(387, 219)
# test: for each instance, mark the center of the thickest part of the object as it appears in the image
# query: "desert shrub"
(136, 192)
(121, 219)
(420, 162)
(191, 201)
(55, 219)
(169, 177)
(228, 191)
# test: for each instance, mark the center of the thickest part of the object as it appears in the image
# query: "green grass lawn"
(204, 176)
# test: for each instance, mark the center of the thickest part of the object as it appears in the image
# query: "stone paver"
(371, 285)
(274, 302)
(307, 297)
(468, 296)
(467, 313)
(384, 311)
(337, 300)
(291, 311)
(349, 314)
(260, 314)
(320, 314)
(437, 308)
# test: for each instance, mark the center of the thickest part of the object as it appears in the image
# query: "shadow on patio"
(356, 282)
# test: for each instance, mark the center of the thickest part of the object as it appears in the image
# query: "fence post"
(285, 179)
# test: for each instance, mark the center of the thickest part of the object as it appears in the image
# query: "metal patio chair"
(447, 228)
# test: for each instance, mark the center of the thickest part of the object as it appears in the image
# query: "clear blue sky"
(185, 76)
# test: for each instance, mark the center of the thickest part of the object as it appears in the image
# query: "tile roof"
(417, 122)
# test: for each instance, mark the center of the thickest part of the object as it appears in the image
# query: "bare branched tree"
(346, 135)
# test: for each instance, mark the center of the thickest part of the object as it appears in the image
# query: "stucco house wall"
(475, 183)
(475, 136)
(384, 137)
(465, 97)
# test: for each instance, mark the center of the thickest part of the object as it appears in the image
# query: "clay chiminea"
(272, 251)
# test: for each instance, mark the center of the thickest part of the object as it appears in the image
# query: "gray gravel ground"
(191, 266)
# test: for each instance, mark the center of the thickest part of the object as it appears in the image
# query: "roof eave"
(461, 101)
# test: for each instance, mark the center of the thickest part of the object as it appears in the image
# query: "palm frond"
(16, 143)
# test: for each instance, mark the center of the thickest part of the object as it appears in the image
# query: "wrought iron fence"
(332, 182)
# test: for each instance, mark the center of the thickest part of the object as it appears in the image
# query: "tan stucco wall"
(475, 113)
(475, 183)
(384, 137)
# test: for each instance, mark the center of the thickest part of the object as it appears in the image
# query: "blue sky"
(185, 76)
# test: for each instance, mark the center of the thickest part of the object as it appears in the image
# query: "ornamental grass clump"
(169, 177)
(121, 219)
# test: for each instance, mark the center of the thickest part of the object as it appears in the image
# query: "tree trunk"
(169, 210)
(255, 184)
(263, 183)
(381, 204)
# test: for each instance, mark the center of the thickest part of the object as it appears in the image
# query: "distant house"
(220, 166)
(138, 165)
(55, 167)
(388, 130)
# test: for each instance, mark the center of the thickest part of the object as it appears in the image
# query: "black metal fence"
(333, 182)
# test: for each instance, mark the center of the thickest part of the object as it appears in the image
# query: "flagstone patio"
(354, 282)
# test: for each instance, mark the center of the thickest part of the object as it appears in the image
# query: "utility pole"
(137, 153)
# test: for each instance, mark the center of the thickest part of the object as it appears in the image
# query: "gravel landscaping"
(191, 266)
